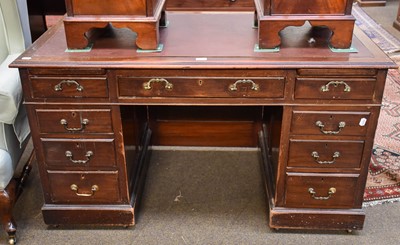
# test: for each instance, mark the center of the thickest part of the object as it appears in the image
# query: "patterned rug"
(383, 183)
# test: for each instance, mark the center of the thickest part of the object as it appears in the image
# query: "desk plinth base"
(115, 215)
(330, 219)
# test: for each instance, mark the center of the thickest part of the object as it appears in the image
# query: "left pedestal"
(80, 146)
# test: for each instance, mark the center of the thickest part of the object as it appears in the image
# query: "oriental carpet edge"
(383, 181)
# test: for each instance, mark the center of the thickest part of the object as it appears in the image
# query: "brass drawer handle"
(88, 154)
(254, 86)
(75, 188)
(321, 127)
(168, 85)
(315, 155)
(325, 88)
(59, 86)
(84, 122)
(312, 192)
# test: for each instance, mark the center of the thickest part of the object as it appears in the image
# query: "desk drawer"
(252, 87)
(69, 87)
(310, 7)
(325, 154)
(90, 121)
(330, 123)
(321, 191)
(210, 5)
(79, 154)
(335, 88)
(84, 187)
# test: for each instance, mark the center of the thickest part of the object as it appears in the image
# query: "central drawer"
(217, 87)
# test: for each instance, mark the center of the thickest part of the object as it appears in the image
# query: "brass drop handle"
(322, 126)
(84, 122)
(88, 154)
(312, 192)
(75, 188)
(254, 86)
(59, 86)
(315, 155)
(325, 88)
(168, 85)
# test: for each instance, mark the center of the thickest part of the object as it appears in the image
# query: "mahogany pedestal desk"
(311, 111)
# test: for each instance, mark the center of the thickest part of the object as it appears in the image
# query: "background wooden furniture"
(272, 16)
(38, 9)
(311, 111)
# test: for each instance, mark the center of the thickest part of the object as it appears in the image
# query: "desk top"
(205, 40)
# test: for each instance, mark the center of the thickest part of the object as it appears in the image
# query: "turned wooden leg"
(342, 32)
(7, 200)
(268, 32)
(78, 35)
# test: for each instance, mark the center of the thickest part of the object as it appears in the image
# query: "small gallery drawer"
(109, 7)
(335, 88)
(90, 121)
(336, 154)
(84, 187)
(69, 87)
(321, 191)
(79, 154)
(213, 87)
(311, 7)
(351, 123)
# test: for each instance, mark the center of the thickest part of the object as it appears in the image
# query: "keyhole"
(200, 82)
